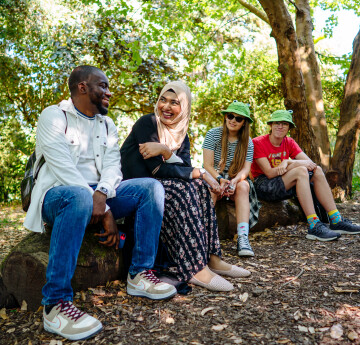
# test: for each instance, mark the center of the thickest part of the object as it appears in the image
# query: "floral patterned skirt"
(189, 229)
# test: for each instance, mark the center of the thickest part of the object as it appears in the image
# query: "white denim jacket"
(61, 151)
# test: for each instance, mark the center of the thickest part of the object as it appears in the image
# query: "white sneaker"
(146, 284)
(69, 322)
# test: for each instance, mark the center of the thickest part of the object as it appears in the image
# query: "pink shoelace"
(150, 276)
(70, 310)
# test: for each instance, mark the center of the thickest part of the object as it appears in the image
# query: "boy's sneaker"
(345, 227)
(69, 322)
(243, 246)
(146, 284)
(322, 233)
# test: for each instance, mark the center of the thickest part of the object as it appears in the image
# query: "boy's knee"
(302, 172)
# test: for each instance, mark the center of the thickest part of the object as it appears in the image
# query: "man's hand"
(152, 149)
(111, 231)
(99, 202)
(282, 168)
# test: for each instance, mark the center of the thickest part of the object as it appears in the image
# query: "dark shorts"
(274, 189)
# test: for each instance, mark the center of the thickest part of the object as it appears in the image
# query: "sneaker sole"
(346, 232)
(138, 293)
(245, 253)
(80, 336)
(313, 237)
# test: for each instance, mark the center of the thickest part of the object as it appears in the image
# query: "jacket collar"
(69, 107)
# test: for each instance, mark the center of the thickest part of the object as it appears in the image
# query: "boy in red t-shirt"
(281, 170)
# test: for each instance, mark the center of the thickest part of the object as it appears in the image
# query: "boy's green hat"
(282, 115)
(239, 108)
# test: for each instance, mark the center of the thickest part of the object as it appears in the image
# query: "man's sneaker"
(322, 233)
(243, 246)
(146, 284)
(345, 227)
(69, 322)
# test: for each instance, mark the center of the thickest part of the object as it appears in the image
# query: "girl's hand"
(224, 183)
(152, 149)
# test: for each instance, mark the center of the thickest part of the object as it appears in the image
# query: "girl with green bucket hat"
(228, 154)
(281, 170)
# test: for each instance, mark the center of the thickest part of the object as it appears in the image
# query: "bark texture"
(292, 78)
(282, 213)
(23, 270)
(312, 80)
(349, 126)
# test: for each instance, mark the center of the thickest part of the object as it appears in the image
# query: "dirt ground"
(300, 292)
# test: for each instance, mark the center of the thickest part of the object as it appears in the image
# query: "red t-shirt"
(275, 155)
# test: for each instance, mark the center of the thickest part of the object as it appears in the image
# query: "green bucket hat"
(239, 108)
(282, 115)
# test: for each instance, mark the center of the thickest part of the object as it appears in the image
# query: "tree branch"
(254, 10)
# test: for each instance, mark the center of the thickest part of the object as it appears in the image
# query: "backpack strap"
(66, 121)
(107, 127)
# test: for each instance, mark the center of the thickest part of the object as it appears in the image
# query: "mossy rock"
(24, 269)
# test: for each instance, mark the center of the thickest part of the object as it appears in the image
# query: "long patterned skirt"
(189, 229)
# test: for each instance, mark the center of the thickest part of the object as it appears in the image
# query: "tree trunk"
(312, 80)
(349, 125)
(292, 78)
(23, 270)
(279, 213)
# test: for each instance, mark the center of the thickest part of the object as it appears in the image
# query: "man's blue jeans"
(68, 210)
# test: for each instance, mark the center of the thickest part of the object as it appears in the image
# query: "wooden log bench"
(281, 213)
(23, 270)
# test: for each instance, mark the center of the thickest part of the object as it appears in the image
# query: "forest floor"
(300, 292)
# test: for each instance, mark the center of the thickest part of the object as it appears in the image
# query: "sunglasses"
(237, 118)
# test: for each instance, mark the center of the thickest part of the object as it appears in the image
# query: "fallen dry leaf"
(303, 328)
(243, 297)
(219, 327)
(336, 331)
(23, 306)
(170, 320)
(204, 311)
(352, 335)
(3, 314)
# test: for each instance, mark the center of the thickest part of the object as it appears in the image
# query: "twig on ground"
(301, 272)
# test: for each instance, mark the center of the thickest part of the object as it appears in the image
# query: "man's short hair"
(79, 74)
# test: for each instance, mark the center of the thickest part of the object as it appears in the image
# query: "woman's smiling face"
(169, 107)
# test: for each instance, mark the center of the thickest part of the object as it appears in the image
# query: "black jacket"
(133, 165)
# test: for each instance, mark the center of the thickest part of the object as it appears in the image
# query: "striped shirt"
(213, 142)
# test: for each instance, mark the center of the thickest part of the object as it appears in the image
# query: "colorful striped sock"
(243, 229)
(312, 219)
(335, 216)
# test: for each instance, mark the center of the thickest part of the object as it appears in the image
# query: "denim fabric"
(68, 210)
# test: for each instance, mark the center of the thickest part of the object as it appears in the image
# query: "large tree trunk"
(349, 125)
(312, 79)
(292, 78)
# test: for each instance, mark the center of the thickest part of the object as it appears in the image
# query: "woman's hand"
(215, 187)
(152, 149)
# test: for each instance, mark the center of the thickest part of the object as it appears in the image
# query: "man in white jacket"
(81, 183)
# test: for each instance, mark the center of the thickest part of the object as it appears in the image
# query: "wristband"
(218, 178)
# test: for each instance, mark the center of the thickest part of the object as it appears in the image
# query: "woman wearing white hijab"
(159, 147)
